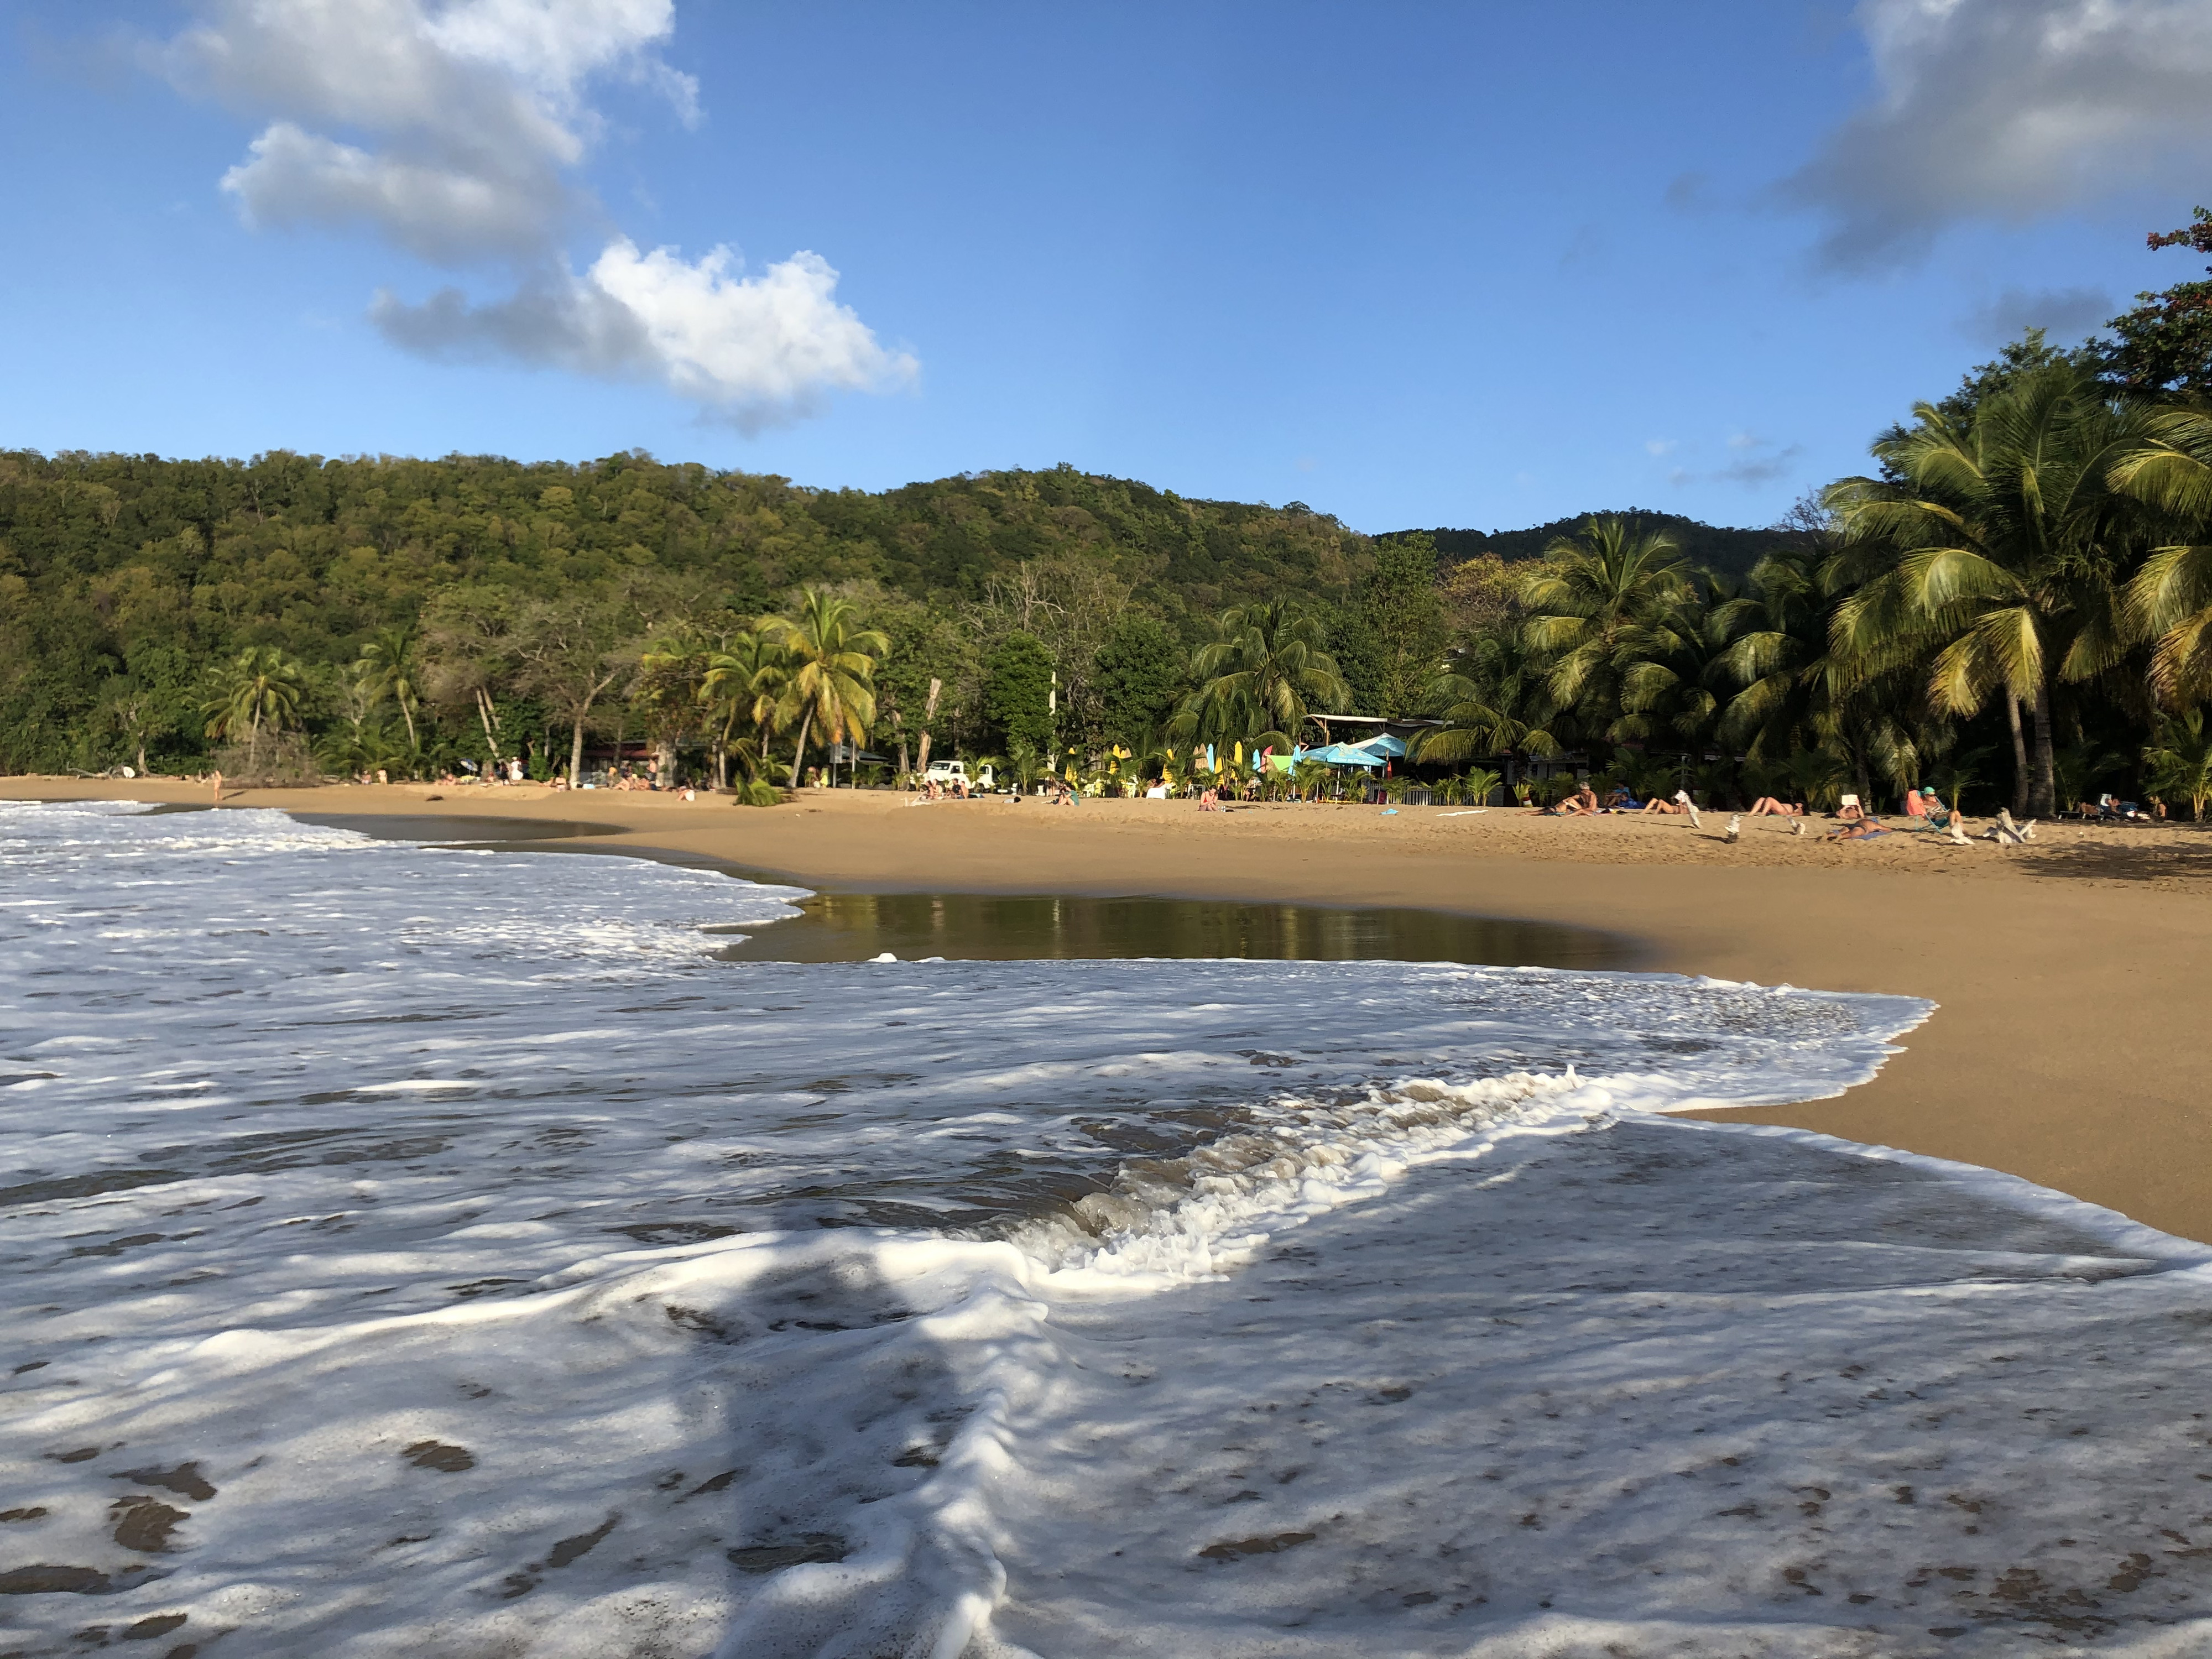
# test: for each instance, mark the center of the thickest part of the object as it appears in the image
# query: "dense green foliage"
(511, 589)
(1017, 694)
(2166, 342)
(2020, 594)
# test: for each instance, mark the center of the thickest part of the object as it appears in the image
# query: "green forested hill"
(124, 578)
(1725, 550)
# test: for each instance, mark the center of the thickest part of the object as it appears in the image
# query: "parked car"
(946, 772)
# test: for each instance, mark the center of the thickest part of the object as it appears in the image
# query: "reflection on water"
(854, 927)
(1012, 927)
(449, 829)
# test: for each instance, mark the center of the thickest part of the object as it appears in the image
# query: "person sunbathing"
(1654, 804)
(1582, 803)
(1850, 811)
(1767, 806)
(1621, 801)
(1862, 827)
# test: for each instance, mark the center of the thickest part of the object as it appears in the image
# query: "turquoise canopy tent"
(1346, 754)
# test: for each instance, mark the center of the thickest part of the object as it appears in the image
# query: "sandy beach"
(2072, 975)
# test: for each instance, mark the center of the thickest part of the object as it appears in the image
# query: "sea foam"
(430, 1252)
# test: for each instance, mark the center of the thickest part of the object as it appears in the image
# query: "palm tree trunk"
(2042, 800)
(483, 713)
(798, 754)
(722, 751)
(576, 752)
(414, 742)
(2019, 756)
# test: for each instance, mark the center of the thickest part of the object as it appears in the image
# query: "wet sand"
(2074, 976)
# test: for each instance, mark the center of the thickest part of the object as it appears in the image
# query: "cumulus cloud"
(757, 351)
(2058, 311)
(468, 115)
(453, 127)
(2009, 109)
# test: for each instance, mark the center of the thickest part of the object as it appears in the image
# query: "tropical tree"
(1800, 690)
(389, 658)
(570, 651)
(1493, 698)
(1023, 762)
(259, 687)
(831, 678)
(1998, 549)
(1018, 693)
(473, 646)
(1477, 785)
(1597, 606)
(1673, 681)
(2169, 602)
(743, 681)
(2180, 760)
(671, 680)
(1266, 668)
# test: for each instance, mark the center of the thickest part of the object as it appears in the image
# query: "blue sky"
(1476, 265)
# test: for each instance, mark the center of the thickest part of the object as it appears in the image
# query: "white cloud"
(1657, 446)
(757, 351)
(466, 114)
(2010, 109)
(452, 129)
(445, 215)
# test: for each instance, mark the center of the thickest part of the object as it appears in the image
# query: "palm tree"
(259, 687)
(832, 668)
(1998, 548)
(1800, 690)
(1672, 688)
(390, 655)
(1493, 699)
(2169, 602)
(1265, 667)
(743, 681)
(2180, 760)
(1598, 606)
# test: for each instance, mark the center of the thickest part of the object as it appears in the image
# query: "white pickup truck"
(949, 772)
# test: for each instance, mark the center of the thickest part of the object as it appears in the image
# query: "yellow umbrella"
(1237, 757)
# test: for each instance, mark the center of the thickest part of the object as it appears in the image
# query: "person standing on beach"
(218, 789)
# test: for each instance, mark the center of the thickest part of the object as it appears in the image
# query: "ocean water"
(435, 1253)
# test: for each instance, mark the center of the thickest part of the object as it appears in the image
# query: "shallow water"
(834, 926)
(434, 1252)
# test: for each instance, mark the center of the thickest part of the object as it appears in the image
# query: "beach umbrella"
(1209, 757)
(1236, 754)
